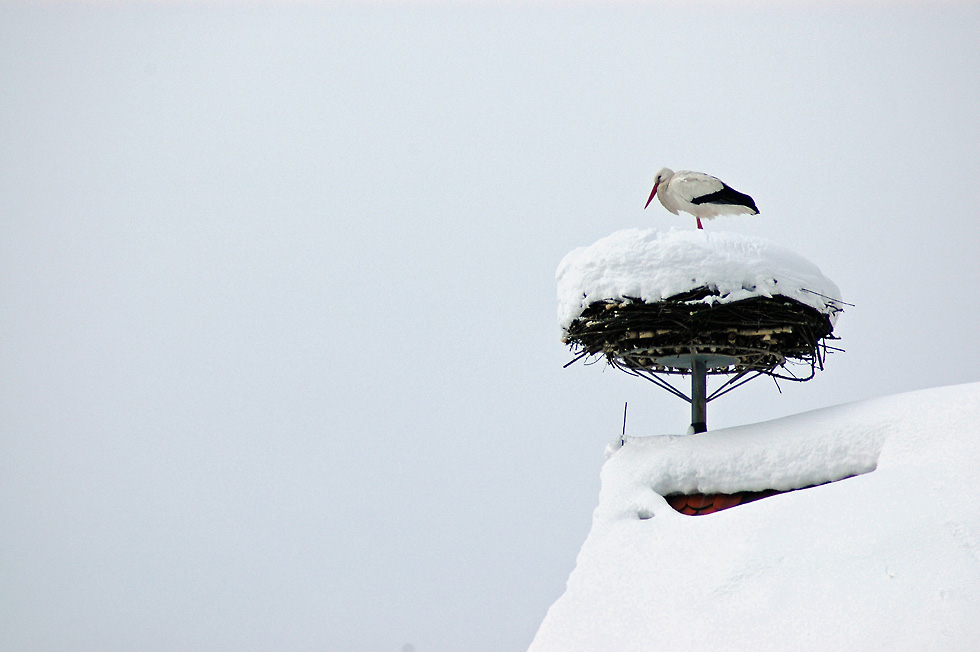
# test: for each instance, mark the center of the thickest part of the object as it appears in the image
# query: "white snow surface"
(886, 560)
(654, 265)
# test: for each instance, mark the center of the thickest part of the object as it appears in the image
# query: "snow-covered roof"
(655, 265)
(886, 560)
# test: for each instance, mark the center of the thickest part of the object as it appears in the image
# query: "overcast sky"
(279, 361)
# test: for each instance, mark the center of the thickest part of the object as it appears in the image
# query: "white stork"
(699, 194)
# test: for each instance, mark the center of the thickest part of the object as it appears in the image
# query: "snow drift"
(886, 560)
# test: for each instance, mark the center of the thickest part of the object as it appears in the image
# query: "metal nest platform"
(694, 334)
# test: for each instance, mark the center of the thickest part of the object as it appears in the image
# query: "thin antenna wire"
(622, 440)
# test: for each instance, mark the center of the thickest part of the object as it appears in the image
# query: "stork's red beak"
(652, 194)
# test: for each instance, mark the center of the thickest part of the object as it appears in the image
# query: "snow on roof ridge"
(784, 454)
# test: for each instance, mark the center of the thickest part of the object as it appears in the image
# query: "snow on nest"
(654, 265)
(886, 560)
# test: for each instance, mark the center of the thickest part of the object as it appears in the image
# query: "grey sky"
(279, 362)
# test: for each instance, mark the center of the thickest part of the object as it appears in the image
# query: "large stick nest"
(760, 333)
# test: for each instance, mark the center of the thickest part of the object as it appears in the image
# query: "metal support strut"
(699, 394)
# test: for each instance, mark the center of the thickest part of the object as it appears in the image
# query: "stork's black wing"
(727, 196)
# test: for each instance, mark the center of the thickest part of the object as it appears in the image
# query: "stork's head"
(662, 177)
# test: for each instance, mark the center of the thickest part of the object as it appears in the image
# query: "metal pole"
(699, 394)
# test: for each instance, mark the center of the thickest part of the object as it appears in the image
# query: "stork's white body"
(701, 195)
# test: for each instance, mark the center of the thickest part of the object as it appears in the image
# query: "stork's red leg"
(699, 223)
